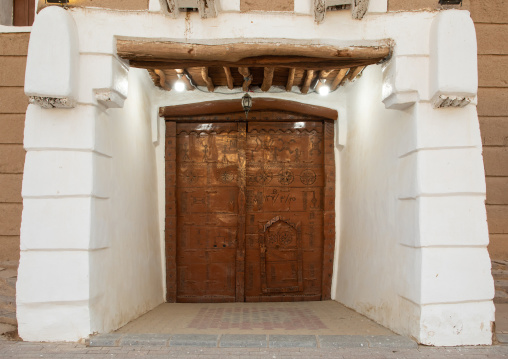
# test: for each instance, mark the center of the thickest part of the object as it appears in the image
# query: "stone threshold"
(252, 341)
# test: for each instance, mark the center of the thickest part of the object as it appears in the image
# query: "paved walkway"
(267, 330)
(289, 318)
(9, 349)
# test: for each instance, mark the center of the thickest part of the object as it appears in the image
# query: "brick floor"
(11, 349)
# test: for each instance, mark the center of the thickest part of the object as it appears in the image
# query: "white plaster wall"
(370, 262)
(126, 279)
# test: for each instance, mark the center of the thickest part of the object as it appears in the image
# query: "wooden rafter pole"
(291, 79)
(354, 72)
(308, 80)
(185, 78)
(162, 79)
(338, 79)
(247, 78)
(229, 77)
(207, 79)
(267, 79)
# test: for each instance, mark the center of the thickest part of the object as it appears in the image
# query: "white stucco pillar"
(443, 227)
(78, 236)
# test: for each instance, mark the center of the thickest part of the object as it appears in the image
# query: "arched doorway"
(250, 203)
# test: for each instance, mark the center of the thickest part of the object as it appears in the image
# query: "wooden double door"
(250, 210)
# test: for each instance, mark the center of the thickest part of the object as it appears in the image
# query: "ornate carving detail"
(263, 177)
(52, 102)
(227, 177)
(450, 101)
(319, 10)
(286, 177)
(308, 177)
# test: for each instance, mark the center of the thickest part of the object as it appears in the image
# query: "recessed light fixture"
(179, 85)
(323, 89)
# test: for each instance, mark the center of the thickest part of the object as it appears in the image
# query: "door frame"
(264, 110)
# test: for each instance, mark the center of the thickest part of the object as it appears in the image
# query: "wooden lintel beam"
(338, 79)
(258, 104)
(185, 78)
(229, 77)
(267, 78)
(144, 50)
(247, 78)
(207, 79)
(318, 65)
(291, 79)
(162, 79)
(308, 80)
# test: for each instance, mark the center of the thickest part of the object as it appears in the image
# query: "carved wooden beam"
(319, 10)
(267, 79)
(207, 79)
(291, 79)
(185, 78)
(229, 77)
(208, 8)
(308, 80)
(338, 79)
(162, 79)
(359, 8)
(247, 78)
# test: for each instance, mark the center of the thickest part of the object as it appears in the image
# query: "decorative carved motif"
(263, 177)
(308, 177)
(286, 177)
(52, 102)
(319, 10)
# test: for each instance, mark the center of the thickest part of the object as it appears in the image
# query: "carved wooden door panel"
(285, 180)
(249, 210)
(207, 207)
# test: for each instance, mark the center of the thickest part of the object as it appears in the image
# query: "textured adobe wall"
(13, 103)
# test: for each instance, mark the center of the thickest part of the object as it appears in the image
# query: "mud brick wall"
(13, 104)
(491, 23)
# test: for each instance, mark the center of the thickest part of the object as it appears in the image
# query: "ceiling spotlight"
(179, 85)
(323, 89)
